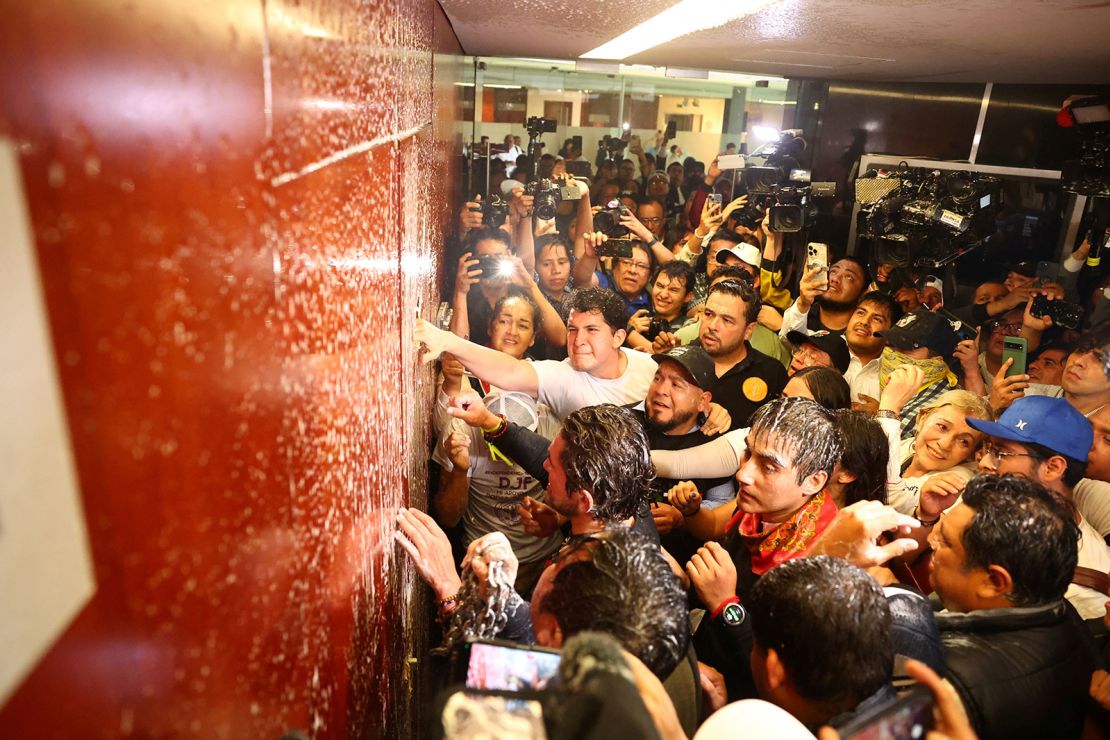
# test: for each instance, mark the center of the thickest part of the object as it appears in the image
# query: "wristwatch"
(733, 614)
(730, 611)
(887, 414)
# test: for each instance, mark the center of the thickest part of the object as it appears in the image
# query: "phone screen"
(472, 716)
(907, 718)
(509, 668)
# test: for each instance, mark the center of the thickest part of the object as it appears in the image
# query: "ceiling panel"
(947, 40)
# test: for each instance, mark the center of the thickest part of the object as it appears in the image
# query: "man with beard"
(745, 377)
(835, 303)
(671, 416)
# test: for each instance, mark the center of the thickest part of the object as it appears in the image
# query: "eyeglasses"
(992, 449)
(1011, 329)
(627, 263)
(652, 220)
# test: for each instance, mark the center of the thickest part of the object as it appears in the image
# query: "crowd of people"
(788, 501)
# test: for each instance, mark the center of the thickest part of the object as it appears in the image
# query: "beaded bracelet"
(498, 430)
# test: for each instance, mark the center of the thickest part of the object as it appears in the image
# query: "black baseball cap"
(923, 328)
(696, 361)
(831, 344)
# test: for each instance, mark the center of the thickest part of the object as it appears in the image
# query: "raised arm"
(467, 274)
(488, 364)
(586, 262)
(644, 234)
(520, 221)
(554, 330)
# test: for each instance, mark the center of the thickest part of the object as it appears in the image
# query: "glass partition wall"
(709, 109)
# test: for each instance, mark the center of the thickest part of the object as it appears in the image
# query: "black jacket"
(1020, 672)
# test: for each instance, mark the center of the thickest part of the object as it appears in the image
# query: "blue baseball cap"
(1050, 422)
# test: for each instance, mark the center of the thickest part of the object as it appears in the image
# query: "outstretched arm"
(488, 364)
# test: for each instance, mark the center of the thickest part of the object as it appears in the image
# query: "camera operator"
(476, 293)
(670, 291)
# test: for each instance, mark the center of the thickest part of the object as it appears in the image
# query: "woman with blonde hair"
(942, 454)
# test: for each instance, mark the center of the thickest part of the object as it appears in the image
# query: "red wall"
(250, 208)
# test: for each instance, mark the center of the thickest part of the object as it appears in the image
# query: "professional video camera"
(537, 126)
(1089, 173)
(923, 218)
(780, 186)
(608, 220)
(547, 194)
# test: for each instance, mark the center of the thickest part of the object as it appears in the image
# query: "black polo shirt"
(749, 384)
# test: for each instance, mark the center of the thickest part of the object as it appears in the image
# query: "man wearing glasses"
(630, 278)
(1047, 440)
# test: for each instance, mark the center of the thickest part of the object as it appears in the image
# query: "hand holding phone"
(1016, 348)
(817, 255)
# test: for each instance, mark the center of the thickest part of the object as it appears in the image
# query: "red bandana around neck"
(786, 541)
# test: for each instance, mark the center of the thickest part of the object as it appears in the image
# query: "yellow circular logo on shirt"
(755, 389)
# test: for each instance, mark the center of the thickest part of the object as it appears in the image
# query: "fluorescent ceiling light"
(503, 87)
(676, 21)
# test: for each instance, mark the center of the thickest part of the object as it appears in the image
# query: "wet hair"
(675, 270)
(603, 301)
(828, 387)
(513, 296)
(865, 455)
(547, 240)
(485, 233)
(626, 589)
(885, 300)
(804, 429)
(830, 624)
(1073, 473)
(1023, 527)
(745, 291)
(607, 454)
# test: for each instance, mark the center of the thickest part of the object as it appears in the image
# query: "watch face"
(733, 615)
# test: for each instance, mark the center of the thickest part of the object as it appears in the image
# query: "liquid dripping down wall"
(237, 208)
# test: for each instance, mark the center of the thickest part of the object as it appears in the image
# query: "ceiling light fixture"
(676, 21)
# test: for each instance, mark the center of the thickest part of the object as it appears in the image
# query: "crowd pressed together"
(813, 493)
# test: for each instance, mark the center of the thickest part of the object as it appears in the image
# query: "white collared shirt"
(862, 378)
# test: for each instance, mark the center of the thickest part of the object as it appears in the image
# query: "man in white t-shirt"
(1047, 440)
(597, 369)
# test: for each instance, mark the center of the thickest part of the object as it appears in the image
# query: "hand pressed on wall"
(430, 551)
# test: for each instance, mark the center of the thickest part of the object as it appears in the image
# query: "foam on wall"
(237, 209)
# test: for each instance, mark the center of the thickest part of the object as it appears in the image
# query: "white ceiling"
(1023, 41)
